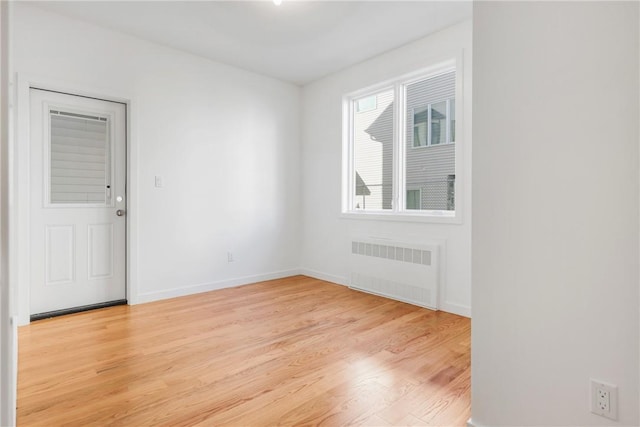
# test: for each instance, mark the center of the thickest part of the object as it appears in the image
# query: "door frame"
(19, 224)
(8, 330)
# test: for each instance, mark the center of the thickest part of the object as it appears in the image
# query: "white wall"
(8, 348)
(326, 239)
(555, 211)
(226, 142)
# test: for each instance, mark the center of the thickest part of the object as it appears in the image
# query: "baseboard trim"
(213, 286)
(324, 276)
(471, 423)
(459, 309)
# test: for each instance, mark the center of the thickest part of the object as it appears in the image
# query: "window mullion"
(395, 193)
(399, 148)
(351, 164)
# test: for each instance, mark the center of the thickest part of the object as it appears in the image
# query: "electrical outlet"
(604, 399)
(159, 181)
(230, 257)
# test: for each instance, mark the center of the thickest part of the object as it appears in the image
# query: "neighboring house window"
(414, 199)
(366, 104)
(451, 192)
(434, 124)
(385, 171)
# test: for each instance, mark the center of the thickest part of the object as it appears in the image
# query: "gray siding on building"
(430, 163)
(429, 168)
(381, 130)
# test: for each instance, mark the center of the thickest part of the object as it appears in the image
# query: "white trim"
(21, 212)
(347, 181)
(8, 329)
(471, 423)
(213, 286)
(338, 280)
(459, 309)
(454, 62)
(441, 66)
(400, 151)
(449, 307)
(19, 228)
(132, 191)
(462, 143)
(434, 217)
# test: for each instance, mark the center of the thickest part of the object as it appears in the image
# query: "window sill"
(430, 218)
(444, 144)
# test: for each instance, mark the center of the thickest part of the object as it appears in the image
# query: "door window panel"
(79, 161)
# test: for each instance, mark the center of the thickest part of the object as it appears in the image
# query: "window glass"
(452, 119)
(420, 120)
(403, 166)
(366, 104)
(413, 199)
(373, 152)
(438, 123)
(451, 195)
(431, 169)
(78, 160)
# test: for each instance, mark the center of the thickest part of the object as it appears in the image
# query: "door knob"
(120, 212)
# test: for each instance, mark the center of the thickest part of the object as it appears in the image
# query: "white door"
(78, 201)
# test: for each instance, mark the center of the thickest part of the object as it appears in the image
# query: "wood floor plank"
(294, 351)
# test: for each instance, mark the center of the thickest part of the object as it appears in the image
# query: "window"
(373, 151)
(451, 192)
(79, 160)
(414, 199)
(366, 104)
(400, 146)
(434, 124)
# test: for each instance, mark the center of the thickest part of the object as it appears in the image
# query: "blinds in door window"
(79, 158)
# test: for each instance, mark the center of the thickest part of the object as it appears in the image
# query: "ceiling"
(298, 41)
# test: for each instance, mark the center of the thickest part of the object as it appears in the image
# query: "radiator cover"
(401, 271)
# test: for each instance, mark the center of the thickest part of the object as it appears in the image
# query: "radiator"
(401, 271)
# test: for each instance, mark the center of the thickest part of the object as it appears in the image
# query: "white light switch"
(158, 181)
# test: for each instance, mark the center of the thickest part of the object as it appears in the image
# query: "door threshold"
(56, 313)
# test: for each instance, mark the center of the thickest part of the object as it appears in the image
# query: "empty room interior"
(290, 212)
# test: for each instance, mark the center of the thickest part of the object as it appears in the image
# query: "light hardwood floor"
(295, 351)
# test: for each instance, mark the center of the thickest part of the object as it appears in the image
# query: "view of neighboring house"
(373, 151)
(430, 146)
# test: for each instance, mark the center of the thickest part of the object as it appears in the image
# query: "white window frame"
(399, 85)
